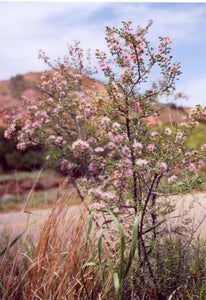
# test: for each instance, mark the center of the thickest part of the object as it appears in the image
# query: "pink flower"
(172, 178)
(108, 67)
(110, 145)
(125, 150)
(105, 121)
(92, 167)
(137, 146)
(201, 163)
(167, 41)
(21, 146)
(192, 167)
(62, 94)
(58, 139)
(174, 69)
(203, 147)
(80, 145)
(141, 162)
(163, 166)
(117, 182)
(127, 162)
(99, 149)
(101, 178)
(151, 146)
(137, 106)
(128, 172)
(168, 131)
(116, 125)
(118, 138)
(154, 133)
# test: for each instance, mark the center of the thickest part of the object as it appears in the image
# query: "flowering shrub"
(129, 166)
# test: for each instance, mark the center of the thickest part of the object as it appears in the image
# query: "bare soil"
(15, 222)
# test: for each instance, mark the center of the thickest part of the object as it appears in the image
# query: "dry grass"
(51, 268)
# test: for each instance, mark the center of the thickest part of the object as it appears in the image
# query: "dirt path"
(15, 222)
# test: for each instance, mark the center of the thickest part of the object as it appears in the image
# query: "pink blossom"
(168, 131)
(87, 112)
(192, 167)
(91, 140)
(108, 67)
(137, 146)
(21, 146)
(110, 135)
(117, 182)
(125, 150)
(101, 63)
(195, 152)
(128, 172)
(127, 162)
(141, 162)
(203, 147)
(98, 193)
(188, 154)
(124, 184)
(58, 139)
(110, 145)
(101, 178)
(201, 163)
(154, 133)
(84, 180)
(97, 206)
(118, 138)
(172, 178)
(80, 145)
(99, 149)
(151, 146)
(105, 121)
(92, 167)
(62, 94)
(167, 41)
(174, 68)
(163, 166)
(116, 125)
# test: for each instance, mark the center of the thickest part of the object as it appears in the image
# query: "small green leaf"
(116, 285)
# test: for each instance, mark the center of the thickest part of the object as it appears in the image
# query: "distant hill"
(12, 90)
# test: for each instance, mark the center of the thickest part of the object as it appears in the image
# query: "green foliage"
(18, 85)
(11, 158)
(197, 138)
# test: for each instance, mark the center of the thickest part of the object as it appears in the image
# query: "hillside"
(12, 90)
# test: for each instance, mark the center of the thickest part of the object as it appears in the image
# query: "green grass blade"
(133, 245)
(15, 239)
(90, 233)
(151, 228)
(116, 285)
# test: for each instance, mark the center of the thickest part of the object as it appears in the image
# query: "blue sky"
(26, 27)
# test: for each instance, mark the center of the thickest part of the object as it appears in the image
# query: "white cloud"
(179, 20)
(196, 89)
(26, 27)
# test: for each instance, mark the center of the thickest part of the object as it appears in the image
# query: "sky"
(26, 27)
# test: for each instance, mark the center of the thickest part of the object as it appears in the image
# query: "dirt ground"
(15, 222)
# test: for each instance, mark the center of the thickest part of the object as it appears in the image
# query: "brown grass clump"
(51, 267)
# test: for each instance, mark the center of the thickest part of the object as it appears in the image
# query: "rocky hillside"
(12, 90)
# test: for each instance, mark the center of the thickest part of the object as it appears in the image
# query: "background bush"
(11, 158)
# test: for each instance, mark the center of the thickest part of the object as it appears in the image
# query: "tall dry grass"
(51, 268)
(59, 263)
